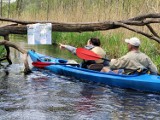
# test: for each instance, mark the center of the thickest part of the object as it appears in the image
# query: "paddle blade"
(45, 64)
(87, 54)
(41, 64)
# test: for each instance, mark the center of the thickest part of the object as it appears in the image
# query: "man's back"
(134, 60)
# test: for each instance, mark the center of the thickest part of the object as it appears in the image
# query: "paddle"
(44, 64)
(88, 55)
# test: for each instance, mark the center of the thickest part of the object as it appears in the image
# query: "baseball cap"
(133, 41)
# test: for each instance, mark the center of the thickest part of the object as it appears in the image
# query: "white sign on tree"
(39, 33)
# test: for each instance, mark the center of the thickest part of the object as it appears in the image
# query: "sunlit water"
(43, 95)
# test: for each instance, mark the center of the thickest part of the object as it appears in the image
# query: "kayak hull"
(144, 82)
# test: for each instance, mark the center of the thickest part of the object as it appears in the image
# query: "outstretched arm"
(68, 47)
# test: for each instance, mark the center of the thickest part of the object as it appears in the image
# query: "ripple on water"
(43, 95)
(27, 115)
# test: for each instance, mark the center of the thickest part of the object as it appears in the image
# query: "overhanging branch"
(142, 20)
(25, 54)
(138, 31)
(152, 31)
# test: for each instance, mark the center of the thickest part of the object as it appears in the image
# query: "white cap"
(133, 41)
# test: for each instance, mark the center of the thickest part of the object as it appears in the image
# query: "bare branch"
(25, 54)
(152, 31)
(140, 23)
(10, 44)
(138, 31)
(142, 17)
(142, 20)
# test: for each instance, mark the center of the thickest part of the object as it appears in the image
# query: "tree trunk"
(142, 20)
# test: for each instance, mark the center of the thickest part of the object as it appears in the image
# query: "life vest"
(97, 50)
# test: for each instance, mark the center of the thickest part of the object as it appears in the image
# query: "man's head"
(94, 41)
(133, 43)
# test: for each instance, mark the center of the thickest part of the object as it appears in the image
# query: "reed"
(79, 10)
(96, 10)
(113, 43)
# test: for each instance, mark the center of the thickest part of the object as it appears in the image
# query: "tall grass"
(90, 10)
(113, 43)
(79, 10)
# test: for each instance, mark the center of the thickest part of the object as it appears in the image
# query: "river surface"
(43, 95)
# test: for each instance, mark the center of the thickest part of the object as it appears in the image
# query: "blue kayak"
(143, 82)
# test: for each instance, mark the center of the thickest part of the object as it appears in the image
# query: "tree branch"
(140, 23)
(142, 20)
(152, 31)
(138, 31)
(142, 17)
(25, 54)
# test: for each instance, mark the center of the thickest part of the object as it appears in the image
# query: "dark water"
(43, 95)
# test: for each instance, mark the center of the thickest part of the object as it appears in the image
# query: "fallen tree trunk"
(142, 20)
(10, 44)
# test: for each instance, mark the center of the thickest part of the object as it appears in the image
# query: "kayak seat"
(96, 67)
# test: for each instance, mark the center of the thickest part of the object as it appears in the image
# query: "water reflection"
(117, 104)
(3, 81)
(87, 103)
(44, 95)
(131, 104)
(87, 107)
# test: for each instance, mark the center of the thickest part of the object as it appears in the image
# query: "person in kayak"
(93, 44)
(132, 61)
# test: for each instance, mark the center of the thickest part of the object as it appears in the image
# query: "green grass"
(75, 39)
(2, 51)
(113, 43)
